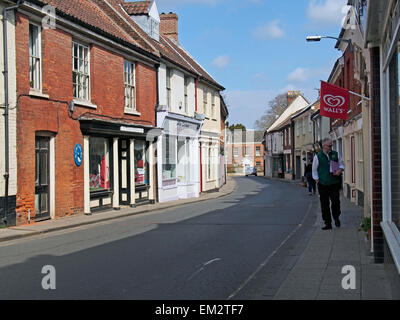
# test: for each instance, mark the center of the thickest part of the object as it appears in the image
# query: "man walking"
(327, 169)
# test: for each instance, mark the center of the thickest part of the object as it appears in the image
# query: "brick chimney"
(169, 25)
(292, 95)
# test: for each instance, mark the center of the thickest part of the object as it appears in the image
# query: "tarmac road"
(226, 248)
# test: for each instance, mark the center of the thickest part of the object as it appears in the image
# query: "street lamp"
(318, 38)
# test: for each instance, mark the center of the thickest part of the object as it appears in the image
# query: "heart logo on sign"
(334, 101)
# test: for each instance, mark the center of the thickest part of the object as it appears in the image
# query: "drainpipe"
(201, 170)
(157, 66)
(6, 111)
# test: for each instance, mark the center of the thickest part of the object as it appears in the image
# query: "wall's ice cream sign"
(334, 101)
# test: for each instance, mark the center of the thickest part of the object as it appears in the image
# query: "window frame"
(39, 57)
(130, 86)
(168, 86)
(83, 46)
(205, 101)
(213, 113)
(186, 82)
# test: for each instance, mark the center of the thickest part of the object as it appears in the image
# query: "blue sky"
(257, 49)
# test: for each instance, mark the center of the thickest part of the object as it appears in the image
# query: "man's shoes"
(337, 223)
(327, 227)
(310, 193)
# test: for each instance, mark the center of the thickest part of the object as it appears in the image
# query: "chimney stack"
(292, 95)
(169, 25)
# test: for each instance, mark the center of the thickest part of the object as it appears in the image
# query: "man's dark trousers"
(326, 193)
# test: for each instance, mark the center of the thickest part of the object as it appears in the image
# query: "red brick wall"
(346, 80)
(36, 114)
(169, 25)
(376, 156)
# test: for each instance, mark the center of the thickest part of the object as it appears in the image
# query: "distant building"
(245, 150)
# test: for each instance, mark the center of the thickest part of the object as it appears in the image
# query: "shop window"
(183, 160)
(169, 157)
(141, 173)
(99, 167)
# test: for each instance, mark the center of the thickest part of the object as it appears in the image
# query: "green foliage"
(366, 224)
(238, 126)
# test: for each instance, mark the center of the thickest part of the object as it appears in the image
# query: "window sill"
(132, 112)
(83, 103)
(38, 94)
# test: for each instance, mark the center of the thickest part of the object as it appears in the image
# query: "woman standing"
(310, 180)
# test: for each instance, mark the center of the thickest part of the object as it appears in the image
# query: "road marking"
(263, 264)
(202, 268)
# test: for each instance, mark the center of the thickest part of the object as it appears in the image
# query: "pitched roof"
(298, 104)
(137, 7)
(190, 61)
(105, 16)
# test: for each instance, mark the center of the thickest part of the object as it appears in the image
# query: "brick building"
(245, 149)
(383, 44)
(86, 90)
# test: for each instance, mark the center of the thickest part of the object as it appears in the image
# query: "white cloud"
(299, 75)
(247, 106)
(269, 31)
(221, 61)
(327, 12)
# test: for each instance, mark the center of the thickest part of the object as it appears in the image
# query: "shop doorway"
(42, 177)
(124, 173)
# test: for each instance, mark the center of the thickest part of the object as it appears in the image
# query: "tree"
(275, 108)
(238, 126)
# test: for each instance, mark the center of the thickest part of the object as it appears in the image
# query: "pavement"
(69, 222)
(322, 267)
(315, 272)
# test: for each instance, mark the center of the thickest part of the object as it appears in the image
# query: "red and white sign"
(334, 101)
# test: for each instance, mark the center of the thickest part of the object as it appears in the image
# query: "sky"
(257, 49)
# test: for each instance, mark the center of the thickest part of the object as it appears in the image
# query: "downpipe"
(6, 109)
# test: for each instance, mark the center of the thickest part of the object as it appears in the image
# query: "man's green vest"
(325, 176)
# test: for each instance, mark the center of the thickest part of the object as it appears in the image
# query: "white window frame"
(297, 124)
(309, 124)
(168, 87)
(360, 162)
(78, 95)
(236, 152)
(130, 85)
(205, 102)
(213, 113)
(37, 86)
(186, 98)
(303, 125)
(258, 152)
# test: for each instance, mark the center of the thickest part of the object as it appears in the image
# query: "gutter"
(6, 111)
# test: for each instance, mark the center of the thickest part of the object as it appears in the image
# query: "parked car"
(251, 171)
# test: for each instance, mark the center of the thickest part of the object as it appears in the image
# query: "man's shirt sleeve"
(315, 168)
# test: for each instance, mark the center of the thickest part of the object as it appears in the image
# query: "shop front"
(178, 157)
(119, 170)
